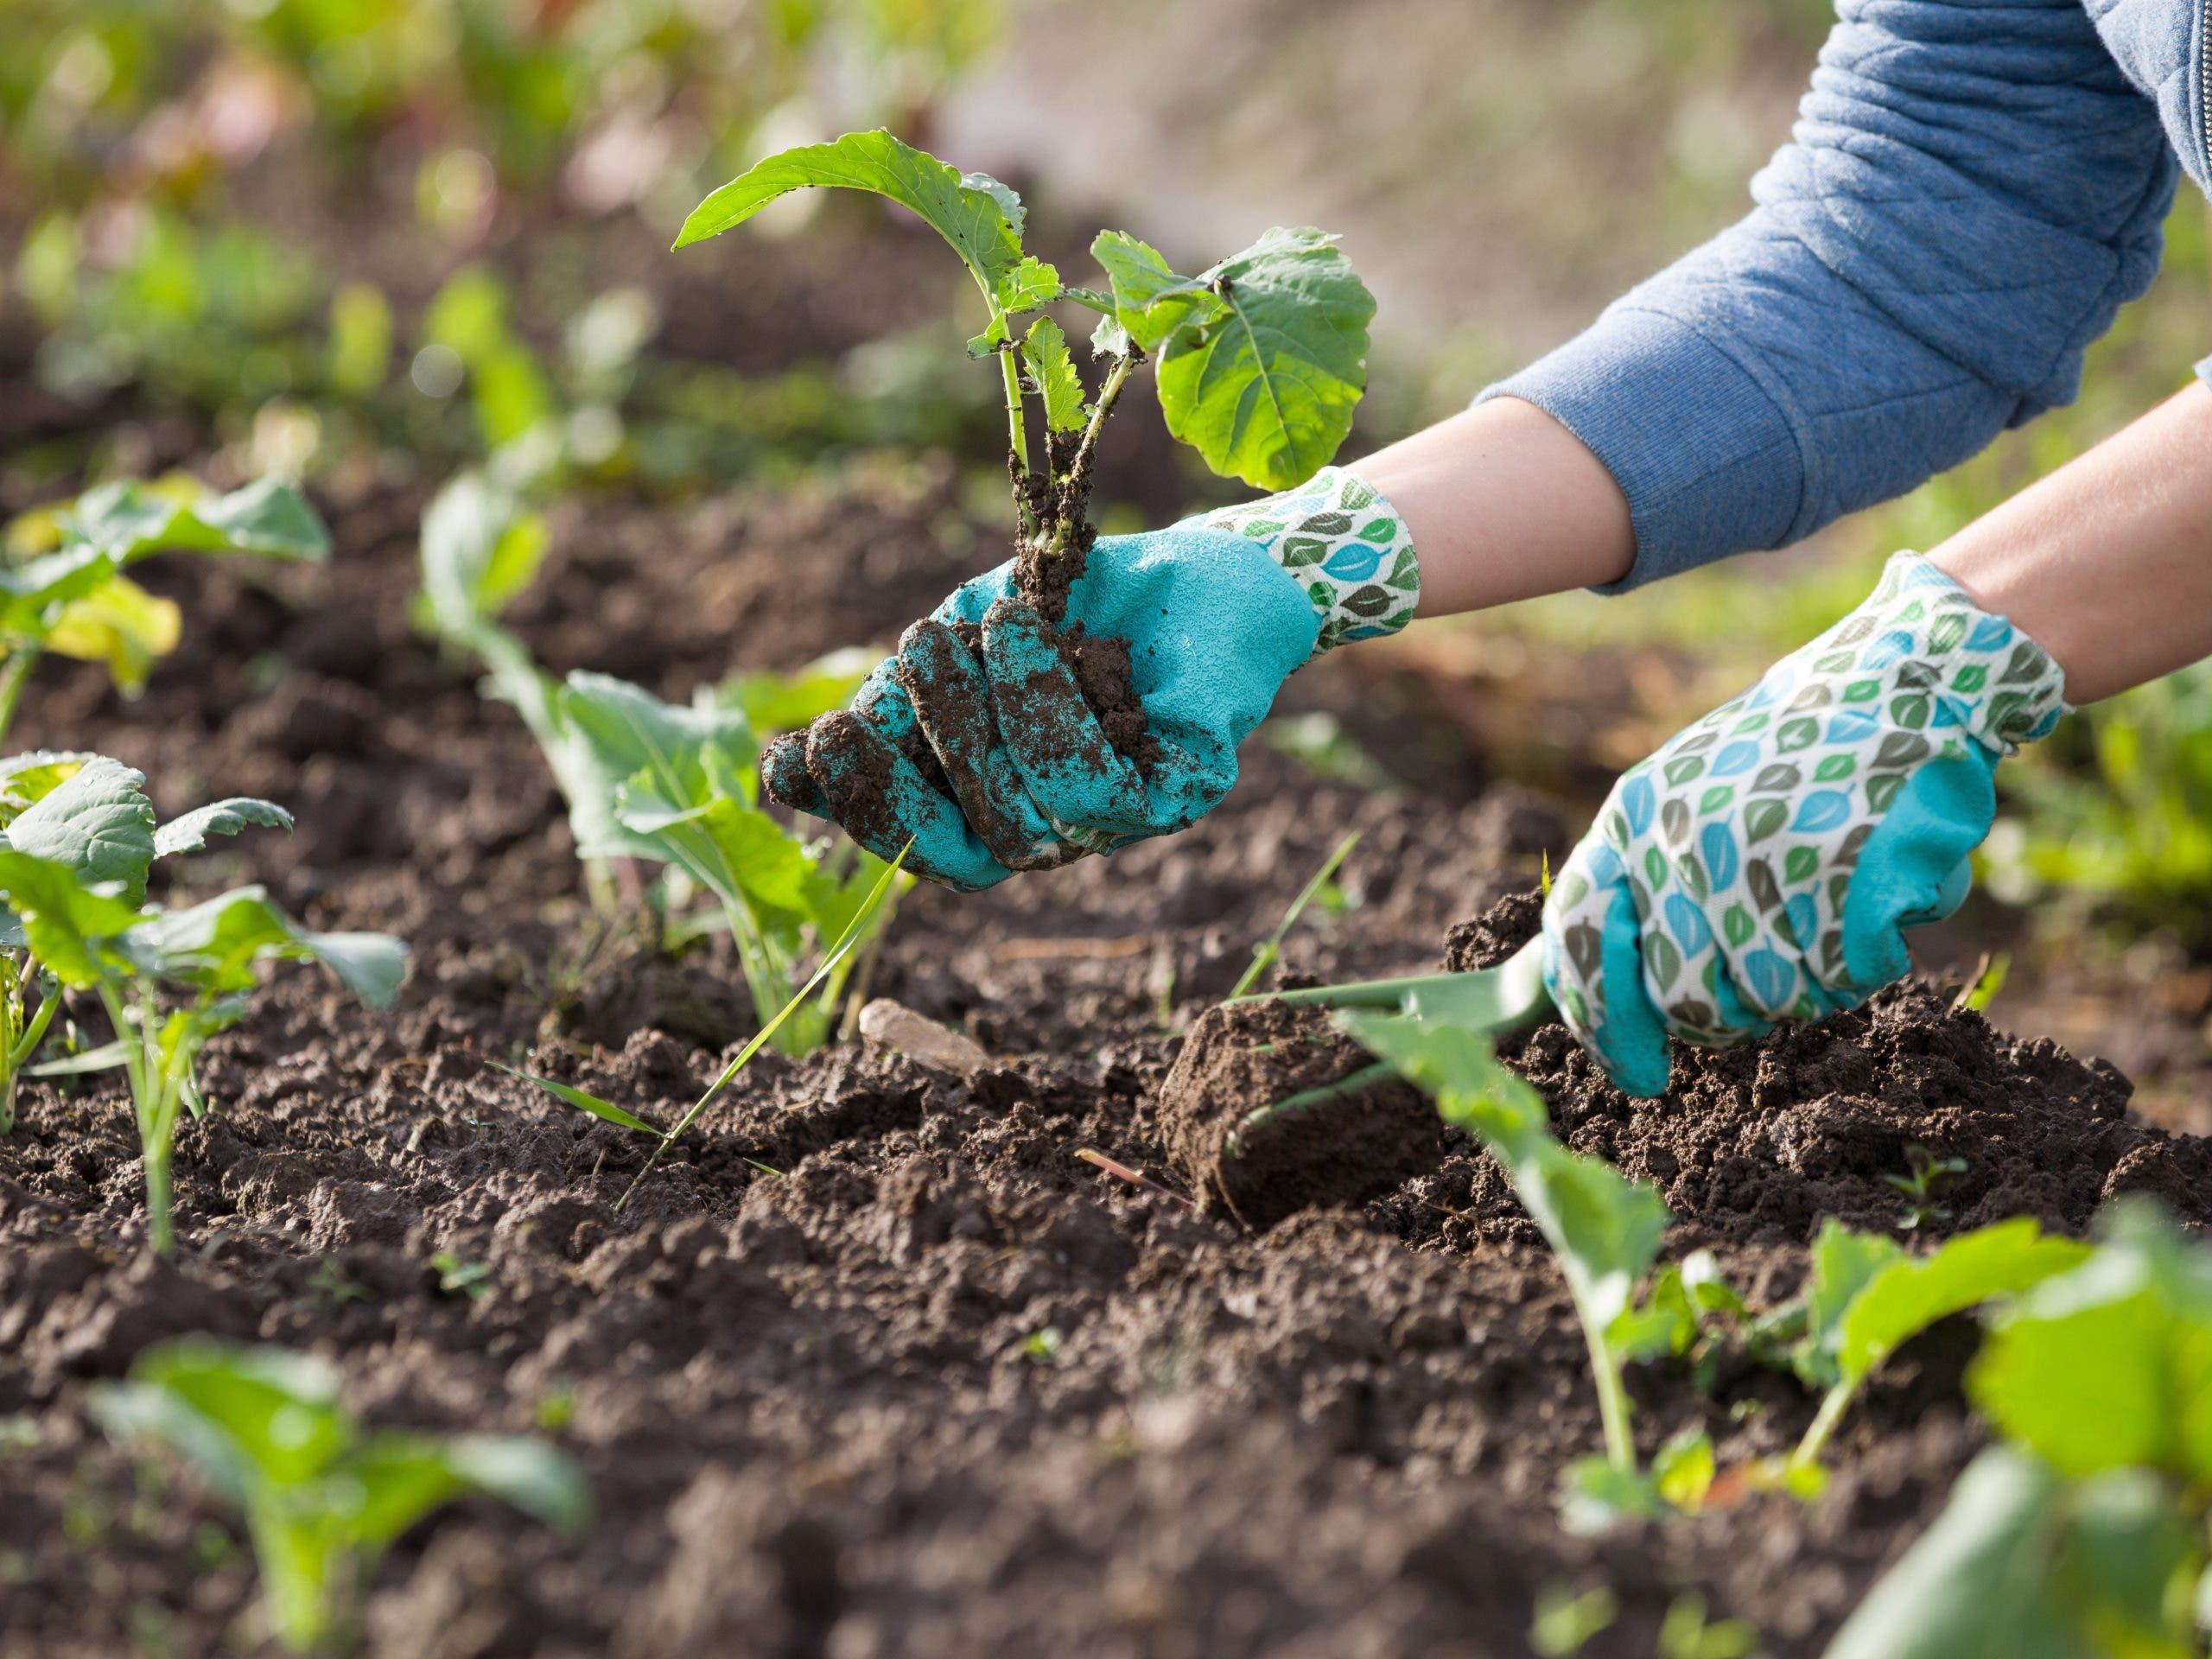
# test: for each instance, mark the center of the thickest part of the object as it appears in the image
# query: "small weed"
(1266, 954)
(1686, 1633)
(1043, 1347)
(1567, 1619)
(330, 1287)
(460, 1278)
(1924, 1174)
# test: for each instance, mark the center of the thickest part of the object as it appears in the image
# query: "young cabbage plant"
(73, 875)
(90, 814)
(322, 1497)
(1259, 359)
(670, 784)
(1604, 1228)
(62, 588)
(1868, 1297)
(2082, 1535)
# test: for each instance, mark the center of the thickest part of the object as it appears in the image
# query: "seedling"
(864, 918)
(1924, 1174)
(460, 1278)
(2084, 1532)
(323, 1498)
(1868, 1298)
(673, 785)
(1266, 954)
(1259, 359)
(73, 876)
(1604, 1228)
(63, 589)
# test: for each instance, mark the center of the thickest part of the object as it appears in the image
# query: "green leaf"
(2110, 1365)
(67, 924)
(121, 626)
(979, 217)
(612, 731)
(1683, 1469)
(1030, 285)
(480, 551)
(32, 593)
(583, 1102)
(130, 521)
(1044, 349)
(2019, 1566)
(1843, 1262)
(1265, 391)
(240, 812)
(1150, 300)
(1604, 1228)
(245, 1416)
(217, 946)
(526, 1473)
(783, 703)
(97, 822)
(1912, 1293)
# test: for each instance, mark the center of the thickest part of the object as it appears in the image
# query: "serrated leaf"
(1266, 390)
(1030, 285)
(97, 823)
(1151, 300)
(189, 834)
(981, 219)
(1909, 1294)
(121, 625)
(1044, 349)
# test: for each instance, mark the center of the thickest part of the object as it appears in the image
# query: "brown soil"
(938, 1386)
(1252, 1126)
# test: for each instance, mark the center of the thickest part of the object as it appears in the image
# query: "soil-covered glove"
(976, 741)
(1764, 865)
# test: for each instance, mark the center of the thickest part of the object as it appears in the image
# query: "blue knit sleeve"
(1972, 191)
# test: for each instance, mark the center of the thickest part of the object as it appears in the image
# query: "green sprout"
(74, 877)
(1266, 954)
(1924, 1174)
(323, 1498)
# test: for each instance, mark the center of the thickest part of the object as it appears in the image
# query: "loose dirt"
(876, 1365)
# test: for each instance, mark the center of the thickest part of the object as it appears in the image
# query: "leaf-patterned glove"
(1030, 778)
(1763, 864)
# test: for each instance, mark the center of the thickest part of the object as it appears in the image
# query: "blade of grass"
(1265, 956)
(583, 1102)
(853, 931)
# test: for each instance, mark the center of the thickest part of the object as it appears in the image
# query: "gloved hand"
(1218, 611)
(1763, 864)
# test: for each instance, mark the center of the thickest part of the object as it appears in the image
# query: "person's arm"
(2108, 561)
(1971, 193)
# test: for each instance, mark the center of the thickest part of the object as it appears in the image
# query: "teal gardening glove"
(1218, 610)
(1764, 865)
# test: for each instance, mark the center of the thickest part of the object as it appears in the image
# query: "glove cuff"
(1921, 633)
(1340, 539)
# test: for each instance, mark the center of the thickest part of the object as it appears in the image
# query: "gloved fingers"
(1065, 758)
(1594, 969)
(883, 801)
(1909, 869)
(952, 699)
(785, 777)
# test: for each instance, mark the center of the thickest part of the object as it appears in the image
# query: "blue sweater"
(1973, 189)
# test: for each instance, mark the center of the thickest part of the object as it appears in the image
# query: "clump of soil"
(1256, 1119)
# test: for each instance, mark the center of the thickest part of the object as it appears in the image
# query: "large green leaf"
(2110, 1366)
(1909, 1294)
(275, 1413)
(228, 817)
(69, 926)
(1265, 389)
(1843, 1264)
(2021, 1565)
(216, 946)
(978, 216)
(613, 731)
(97, 822)
(130, 521)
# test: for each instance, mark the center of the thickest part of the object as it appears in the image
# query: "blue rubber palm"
(1764, 865)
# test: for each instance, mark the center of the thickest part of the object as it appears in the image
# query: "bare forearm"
(2108, 561)
(1504, 503)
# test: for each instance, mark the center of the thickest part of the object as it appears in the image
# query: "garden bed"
(876, 1364)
